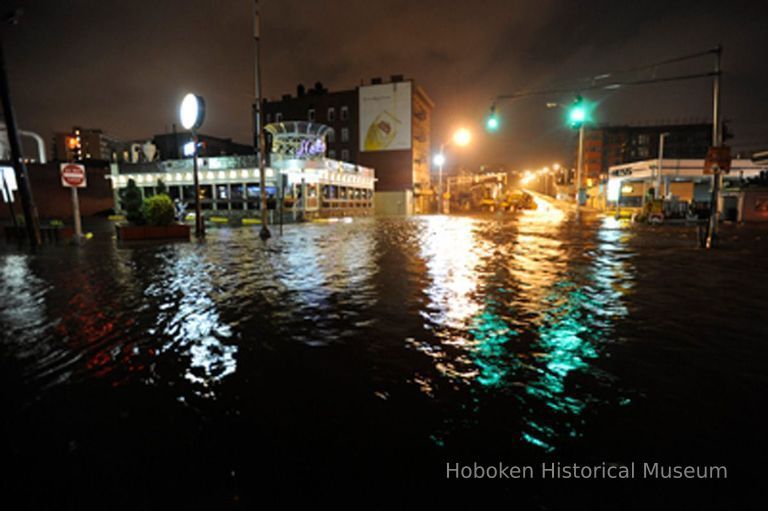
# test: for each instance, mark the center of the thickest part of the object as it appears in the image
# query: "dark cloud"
(123, 66)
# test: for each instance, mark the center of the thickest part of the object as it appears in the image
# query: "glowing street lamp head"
(439, 159)
(462, 137)
(192, 111)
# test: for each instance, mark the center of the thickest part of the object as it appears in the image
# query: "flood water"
(357, 359)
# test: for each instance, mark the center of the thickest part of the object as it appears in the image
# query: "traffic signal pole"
(20, 169)
(579, 166)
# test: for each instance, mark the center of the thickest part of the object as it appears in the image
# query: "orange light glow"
(462, 137)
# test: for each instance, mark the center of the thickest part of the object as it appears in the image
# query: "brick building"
(605, 146)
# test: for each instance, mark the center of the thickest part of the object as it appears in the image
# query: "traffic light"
(492, 123)
(578, 114)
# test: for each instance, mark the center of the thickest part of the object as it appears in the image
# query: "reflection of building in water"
(310, 184)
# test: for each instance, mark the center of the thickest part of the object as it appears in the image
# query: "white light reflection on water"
(318, 268)
(189, 316)
(23, 313)
(452, 253)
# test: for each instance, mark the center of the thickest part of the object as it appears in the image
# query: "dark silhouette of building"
(170, 146)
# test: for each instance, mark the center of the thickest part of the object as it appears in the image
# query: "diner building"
(298, 174)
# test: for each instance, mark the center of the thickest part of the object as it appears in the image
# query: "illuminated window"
(344, 113)
(311, 114)
(279, 117)
(331, 114)
(331, 137)
(331, 153)
(345, 134)
(345, 155)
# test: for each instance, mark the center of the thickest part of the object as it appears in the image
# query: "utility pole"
(258, 135)
(717, 141)
(199, 220)
(660, 166)
(440, 180)
(22, 175)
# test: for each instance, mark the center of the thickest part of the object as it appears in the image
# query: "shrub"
(159, 210)
(132, 203)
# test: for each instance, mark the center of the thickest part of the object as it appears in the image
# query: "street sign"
(73, 175)
(718, 158)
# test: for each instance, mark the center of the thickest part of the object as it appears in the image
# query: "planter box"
(152, 232)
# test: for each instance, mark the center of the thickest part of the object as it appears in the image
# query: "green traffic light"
(578, 113)
(492, 124)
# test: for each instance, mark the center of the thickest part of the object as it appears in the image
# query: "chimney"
(300, 90)
(376, 81)
(396, 78)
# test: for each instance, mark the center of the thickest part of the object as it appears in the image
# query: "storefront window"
(188, 193)
(252, 191)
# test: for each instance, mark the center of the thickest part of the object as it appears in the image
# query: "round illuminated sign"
(192, 111)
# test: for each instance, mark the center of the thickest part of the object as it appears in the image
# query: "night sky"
(124, 66)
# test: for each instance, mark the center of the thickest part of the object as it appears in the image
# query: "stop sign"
(73, 175)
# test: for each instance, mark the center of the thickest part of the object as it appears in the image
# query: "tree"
(132, 203)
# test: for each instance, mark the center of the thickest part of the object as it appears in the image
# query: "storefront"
(682, 181)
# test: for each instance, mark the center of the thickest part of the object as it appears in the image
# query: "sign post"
(73, 177)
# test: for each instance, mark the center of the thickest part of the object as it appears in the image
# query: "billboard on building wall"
(385, 117)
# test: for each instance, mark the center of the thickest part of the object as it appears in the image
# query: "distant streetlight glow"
(439, 159)
(462, 137)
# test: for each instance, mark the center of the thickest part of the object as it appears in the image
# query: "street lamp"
(461, 137)
(192, 113)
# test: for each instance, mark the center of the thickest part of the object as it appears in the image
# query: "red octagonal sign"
(73, 175)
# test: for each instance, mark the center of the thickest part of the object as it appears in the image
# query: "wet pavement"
(358, 358)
